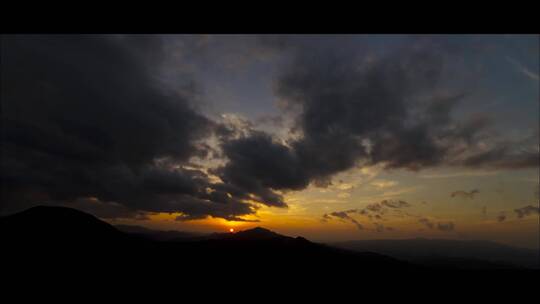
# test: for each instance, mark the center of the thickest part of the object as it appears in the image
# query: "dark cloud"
(526, 211)
(344, 102)
(382, 228)
(446, 227)
(504, 157)
(325, 218)
(442, 226)
(84, 117)
(426, 222)
(258, 164)
(375, 208)
(344, 215)
(101, 209)
(353, 107)
(465, 194)
(374, 212)
(378, 210)
(520, 212)
(395, 204)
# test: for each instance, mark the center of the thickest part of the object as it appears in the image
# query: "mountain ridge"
(429, 251)
(67, 236)
(101, 245)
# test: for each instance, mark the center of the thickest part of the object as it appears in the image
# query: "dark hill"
(63, 237)
(63, 240)
(56, 224)
(58, 247)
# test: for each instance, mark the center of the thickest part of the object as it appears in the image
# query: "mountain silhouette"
(158, 235)
(257, 233)
(254, 234)
(53, 239)
(64, 236)
(56, 224)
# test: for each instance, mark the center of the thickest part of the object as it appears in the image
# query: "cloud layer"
(395, 109)
(375, 213)
(85, 122)
(83, 118)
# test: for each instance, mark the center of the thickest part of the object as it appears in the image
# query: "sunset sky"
(330, 137)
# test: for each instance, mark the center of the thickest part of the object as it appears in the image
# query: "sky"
(330, 137)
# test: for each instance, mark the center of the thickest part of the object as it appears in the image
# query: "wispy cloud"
(465, 194)
(343, 215)
(374, 212)
(520, 213)
(344, 195)
(448, 226)
(526, 211)
(523, 69)
(383, 183)
(400, 191)
(460, 174)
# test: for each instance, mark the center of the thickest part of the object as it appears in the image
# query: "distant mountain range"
(436, 253)
(46, 236)
(257, 233)
(159, 235)
(449, 253)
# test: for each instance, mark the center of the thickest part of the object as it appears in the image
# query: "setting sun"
(231, 230)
